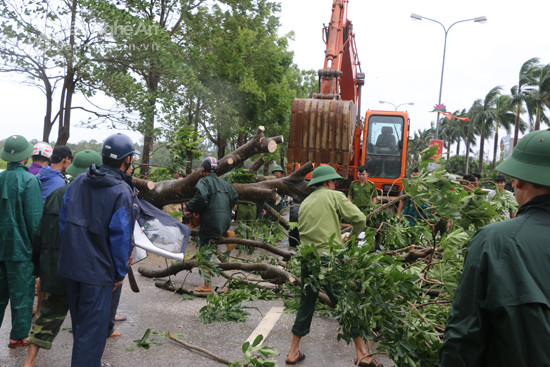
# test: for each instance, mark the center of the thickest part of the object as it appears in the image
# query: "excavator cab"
(385, 138)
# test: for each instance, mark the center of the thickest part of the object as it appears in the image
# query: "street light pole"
(414, 16)
(399, 105)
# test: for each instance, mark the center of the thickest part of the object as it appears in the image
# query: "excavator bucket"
(321, 131)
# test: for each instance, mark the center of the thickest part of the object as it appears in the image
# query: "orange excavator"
(327, 129)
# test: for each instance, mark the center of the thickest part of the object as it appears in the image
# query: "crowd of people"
(70, 243)
(76, 238)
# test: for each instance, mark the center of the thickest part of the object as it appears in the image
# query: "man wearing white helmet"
(41, 154)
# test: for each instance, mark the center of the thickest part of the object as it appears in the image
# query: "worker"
(96, 225)
(20, 212)
(362, 192)
(319, 220)
(41, 154)
(500, 315)
(468, 182)
(277, 171)
(53, 176)
(214, 199)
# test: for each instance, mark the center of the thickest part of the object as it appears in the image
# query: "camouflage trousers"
(53, 309)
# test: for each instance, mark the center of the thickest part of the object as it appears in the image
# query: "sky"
(401, 58)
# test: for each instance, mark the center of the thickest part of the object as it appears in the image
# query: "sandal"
(115, 334)
(301, 357)
(121, 318)
(103, 364)
(17, 343)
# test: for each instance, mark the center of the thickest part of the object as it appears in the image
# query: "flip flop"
(18, 343)
(115, 334)
(120, 318)
(106, 364)
(301, 357)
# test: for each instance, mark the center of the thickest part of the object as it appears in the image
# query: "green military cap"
(277, 168)
(530, 160)
(83, 160)
(16, 148)
(322, 174)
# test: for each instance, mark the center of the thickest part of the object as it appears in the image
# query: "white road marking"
(266, 325)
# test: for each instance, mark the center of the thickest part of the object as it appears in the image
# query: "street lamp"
(396, 107)
(414, 16)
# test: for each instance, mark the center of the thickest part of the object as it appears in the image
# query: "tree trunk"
(516, 125)
(481, 147)
(467, 155)
(69, 85)
(537, 121)
(458, 147)
(495, 147)
(48, 123)
(153, 80)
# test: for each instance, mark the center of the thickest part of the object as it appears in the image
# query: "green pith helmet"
(322, 174)
(530, 160)
(83, 160)
(16, 149)
(277, 168)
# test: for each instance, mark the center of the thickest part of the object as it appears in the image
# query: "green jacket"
(320, 216)
(214, 200)
(501, 312)
(46, 245)
(20, 212)
(362, 194)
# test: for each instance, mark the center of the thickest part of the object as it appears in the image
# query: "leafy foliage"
(225, 307)
(144, 342)
(254, 355)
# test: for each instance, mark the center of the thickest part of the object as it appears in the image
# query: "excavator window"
(384, 145)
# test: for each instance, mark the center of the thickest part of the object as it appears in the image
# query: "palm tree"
(483, 115)
(471, 132)
(446, 133)
(504, 117)
(540, 95)
(453, 131)
(520, 92)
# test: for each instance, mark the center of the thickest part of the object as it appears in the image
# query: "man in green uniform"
(277, 171)
(501, 312)
(214, 199)
(318, 220)
(362, 192)
(20, 212)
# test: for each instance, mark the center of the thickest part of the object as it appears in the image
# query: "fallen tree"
(178, 191)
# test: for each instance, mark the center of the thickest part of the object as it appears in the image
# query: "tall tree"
(144, 63)
(520, 92)
(48, 43)
(540, 95)
(483, 116)
(504, 118)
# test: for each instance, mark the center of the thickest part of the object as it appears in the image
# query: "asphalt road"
(163, 311)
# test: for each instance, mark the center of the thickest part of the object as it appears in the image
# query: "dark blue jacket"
(50, 179)
(96, 224)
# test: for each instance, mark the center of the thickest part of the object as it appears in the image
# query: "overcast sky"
(400, 57)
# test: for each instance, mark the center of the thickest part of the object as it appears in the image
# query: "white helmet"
(43, 149)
